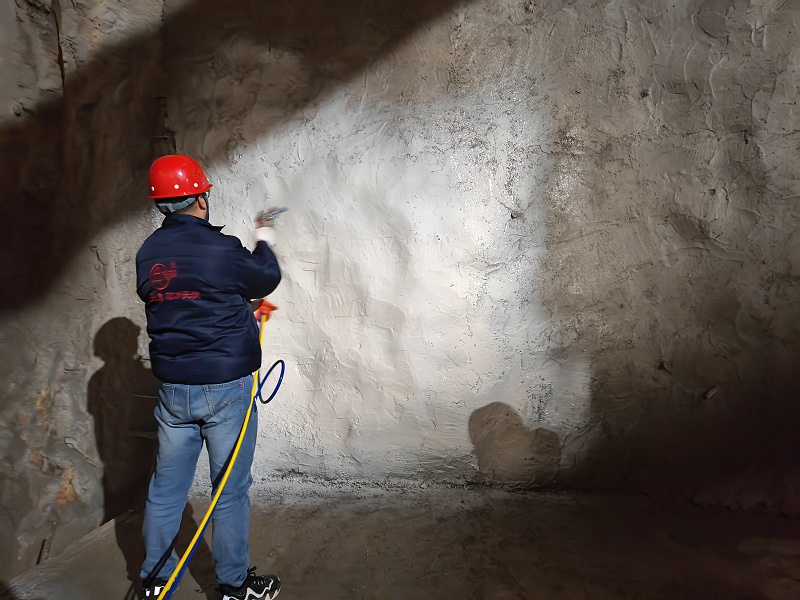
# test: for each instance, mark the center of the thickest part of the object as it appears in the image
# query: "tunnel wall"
(530, 243)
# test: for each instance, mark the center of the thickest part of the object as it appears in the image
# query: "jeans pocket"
(225, 400)
(166, 395)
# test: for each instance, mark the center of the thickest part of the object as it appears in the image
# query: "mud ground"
(440, 543)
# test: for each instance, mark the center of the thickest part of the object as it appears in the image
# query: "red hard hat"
(177, 175)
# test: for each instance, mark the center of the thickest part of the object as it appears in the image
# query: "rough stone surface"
(533, 243)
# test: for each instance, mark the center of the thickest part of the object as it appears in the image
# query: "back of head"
(176, 181)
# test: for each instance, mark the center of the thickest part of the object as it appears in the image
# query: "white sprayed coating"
(408, 252)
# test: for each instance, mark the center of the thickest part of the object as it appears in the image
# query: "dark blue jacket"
(196, 283)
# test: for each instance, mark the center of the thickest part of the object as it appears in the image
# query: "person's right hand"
(265, 225)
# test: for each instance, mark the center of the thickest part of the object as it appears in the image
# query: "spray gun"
(265, 217)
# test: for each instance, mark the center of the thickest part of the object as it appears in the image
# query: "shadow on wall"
(734, 445)
(121, 397)
(688, 311)
(78, 162)
(508, 452)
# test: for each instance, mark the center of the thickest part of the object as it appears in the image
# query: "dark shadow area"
(489, 544)
(5, 593)
(510, 453)
(694, 393)
(74, 164)
(121, 397)
(735, 445)
(701, 403)
(688, 319)
(676, 550)
(408, 543)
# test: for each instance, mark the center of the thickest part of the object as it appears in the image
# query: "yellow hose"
(224, 480)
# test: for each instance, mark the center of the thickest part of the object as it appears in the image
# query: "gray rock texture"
(546, 243)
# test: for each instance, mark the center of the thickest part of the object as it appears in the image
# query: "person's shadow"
(509, 453)
(121, 398)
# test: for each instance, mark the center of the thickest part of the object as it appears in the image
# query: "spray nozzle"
(265, 217)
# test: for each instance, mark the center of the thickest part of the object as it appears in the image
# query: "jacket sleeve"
(141, 280)
(258, 273)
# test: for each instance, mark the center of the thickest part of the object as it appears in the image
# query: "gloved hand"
(266, 233)
(265, 226)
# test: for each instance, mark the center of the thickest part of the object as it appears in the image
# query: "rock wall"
(673, 255)
(78, 128)
(533, 243)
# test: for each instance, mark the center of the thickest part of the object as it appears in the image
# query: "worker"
(197, 284)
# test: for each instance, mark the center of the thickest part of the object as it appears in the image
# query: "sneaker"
(154, 589)
(254, 587)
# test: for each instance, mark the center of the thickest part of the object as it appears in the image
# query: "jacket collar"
(184, 220)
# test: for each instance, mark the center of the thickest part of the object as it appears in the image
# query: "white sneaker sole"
(251, 595)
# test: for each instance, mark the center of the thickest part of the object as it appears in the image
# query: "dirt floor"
(439, 543)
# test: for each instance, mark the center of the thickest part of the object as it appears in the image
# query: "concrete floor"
(329, 542)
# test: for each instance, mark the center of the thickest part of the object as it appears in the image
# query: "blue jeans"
(187, 415)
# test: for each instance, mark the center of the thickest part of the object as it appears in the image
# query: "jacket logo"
(160, 276)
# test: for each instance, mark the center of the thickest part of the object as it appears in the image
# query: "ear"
(201, 202)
